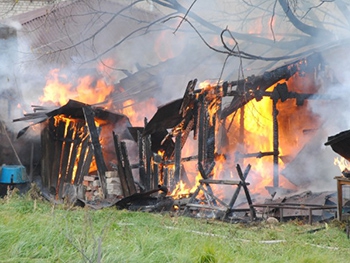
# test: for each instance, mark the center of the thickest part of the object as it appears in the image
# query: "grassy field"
(36, 231)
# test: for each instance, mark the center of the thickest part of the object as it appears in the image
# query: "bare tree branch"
(309, 30)
(272, 18)
(188, 10)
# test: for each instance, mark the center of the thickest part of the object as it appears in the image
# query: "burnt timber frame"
(255, 87)
(215, 203)
(70, 141)
(56, 164)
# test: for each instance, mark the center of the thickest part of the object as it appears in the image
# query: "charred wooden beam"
(141, 164)
(281, 93)
(148, 158)
(246, 191)
(210, 153)
(65, 155)
(201, 130)
(96, 146)
(184, 159)
(253, 87)
(86, 154)
(58, 132)
(124, 203)
(177, 158)
(238, 189)
(156, 169)
(275, 144)
(127, 170)
(47, 152)
(188, 98)
(239, 155)
(75, 150)
(165, 175)
(85, 163)
(121, 172)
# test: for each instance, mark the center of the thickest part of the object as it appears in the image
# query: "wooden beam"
(121, 172)
(96, 146)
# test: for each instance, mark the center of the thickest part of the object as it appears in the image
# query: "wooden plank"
(96, 146)
(86, 163)
(246, 191)
(83, 153)
(46, 155)
(142, 170)
(238, 189)
(211, 207)
(148, 158)
(121, 171)
(228, 182)
(75, 154)
(177, 157)
(57, 145)
(127, 169)
(65, 155)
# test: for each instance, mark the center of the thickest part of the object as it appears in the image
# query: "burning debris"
(314, 207)
(83, 157)
(71, 147)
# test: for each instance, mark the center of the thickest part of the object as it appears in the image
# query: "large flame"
(137, 112)
(250, 133)
(89, 89)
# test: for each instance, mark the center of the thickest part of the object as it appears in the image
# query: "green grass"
(37, 231)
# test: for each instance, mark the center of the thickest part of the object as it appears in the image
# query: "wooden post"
(142, 170)
(56, 177)
(47, 155)
(177, 158)
(246, 191)
(96, 146)
(238, 189)
(65, 154)
(275, 144)
(148, 157)
(121, 171)
(84, 162)
(127, 170)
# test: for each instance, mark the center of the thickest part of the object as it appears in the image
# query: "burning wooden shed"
(76, 141)
(288, 89)
(219, 114)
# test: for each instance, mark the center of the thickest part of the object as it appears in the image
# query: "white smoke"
(174, 53)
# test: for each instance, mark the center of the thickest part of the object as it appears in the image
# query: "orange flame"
(137, 112)
(87, 89)
(342, 163)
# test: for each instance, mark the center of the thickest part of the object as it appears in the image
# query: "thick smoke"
(170, 52)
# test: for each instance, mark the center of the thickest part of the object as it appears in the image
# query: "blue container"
(13, 174)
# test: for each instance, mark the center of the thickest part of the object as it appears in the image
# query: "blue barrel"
(13, 174)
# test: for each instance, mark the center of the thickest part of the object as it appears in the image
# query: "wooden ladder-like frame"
(215, 203)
